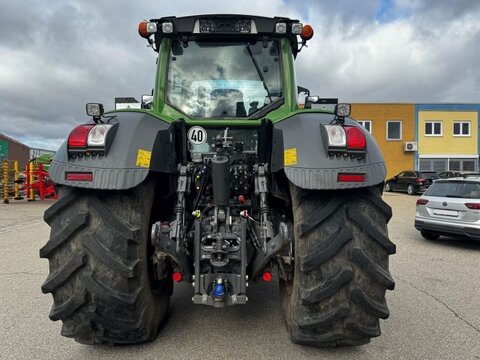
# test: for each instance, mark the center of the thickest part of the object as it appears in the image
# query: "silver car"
(450, 207)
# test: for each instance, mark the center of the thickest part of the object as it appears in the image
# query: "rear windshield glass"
(454, 189)
(429, 175)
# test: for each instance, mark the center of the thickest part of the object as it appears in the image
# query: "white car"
(450, 207)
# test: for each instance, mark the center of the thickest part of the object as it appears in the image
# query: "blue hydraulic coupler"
(218, 293)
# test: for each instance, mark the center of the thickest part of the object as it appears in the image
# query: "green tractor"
(220, 179)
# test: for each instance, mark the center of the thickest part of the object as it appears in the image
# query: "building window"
(394, 130)
(367, 124)
(433, 128)
(447, 164)
(461, 128)
(438, 165)
(462, 165)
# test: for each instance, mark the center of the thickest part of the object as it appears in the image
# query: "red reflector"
(177, 276)
(474, 206)
(355, 138)
(79, 176)
(422, 202)
(419, 180)
(267, 276)
(78, 137)
(351, 178)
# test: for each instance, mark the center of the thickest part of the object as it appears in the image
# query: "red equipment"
(38, 182)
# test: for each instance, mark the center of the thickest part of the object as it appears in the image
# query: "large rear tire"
(100, 274)
(341, 274)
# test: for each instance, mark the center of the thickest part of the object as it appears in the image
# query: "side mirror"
(301, 89)
(309, 100)
(147, 101)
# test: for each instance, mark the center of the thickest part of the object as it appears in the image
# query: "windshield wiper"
(259, 72)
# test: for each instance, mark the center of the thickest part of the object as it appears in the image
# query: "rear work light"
(281, 28)
(297, 28)
(422, 202)
(473, 206)
(346, 140)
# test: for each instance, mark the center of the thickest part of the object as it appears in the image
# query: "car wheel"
(429, 235)
(388, 187)
(410, 190)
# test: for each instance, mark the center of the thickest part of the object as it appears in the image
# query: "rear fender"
(307, 163)
(133, 153)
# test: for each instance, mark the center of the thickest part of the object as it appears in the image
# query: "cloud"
(412, 58)
(57, 57)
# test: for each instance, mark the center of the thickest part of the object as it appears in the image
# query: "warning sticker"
(290, 156)
(143, 158)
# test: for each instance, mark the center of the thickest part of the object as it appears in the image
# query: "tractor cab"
(224, 66)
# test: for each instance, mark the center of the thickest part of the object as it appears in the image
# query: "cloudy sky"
(57, 55)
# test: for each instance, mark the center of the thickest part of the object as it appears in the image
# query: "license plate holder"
(442, 212)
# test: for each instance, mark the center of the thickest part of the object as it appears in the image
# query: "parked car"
(411, 181)
(452, 174)
(470, 174)
(450, 207)
(449, 174)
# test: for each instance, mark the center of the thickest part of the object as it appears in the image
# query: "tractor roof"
(222, 26)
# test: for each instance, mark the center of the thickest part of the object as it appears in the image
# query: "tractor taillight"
(91, 140)
(336, 136)
(78, 137)
(98, 135)
(355, 138)
(346, 140)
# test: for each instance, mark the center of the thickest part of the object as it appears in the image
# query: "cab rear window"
(454, 189)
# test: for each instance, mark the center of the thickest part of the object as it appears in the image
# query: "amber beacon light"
(307, 32)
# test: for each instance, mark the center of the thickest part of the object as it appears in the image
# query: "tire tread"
(341, 268)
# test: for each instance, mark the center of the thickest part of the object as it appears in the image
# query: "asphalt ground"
(435, 307)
